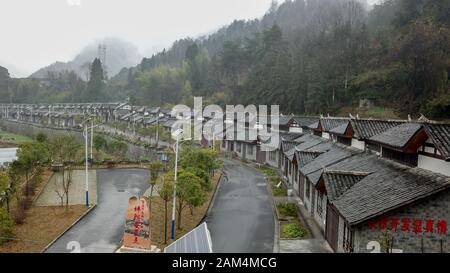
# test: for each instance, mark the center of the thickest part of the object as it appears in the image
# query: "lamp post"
(175, 190)
(86, 159)
(92, 138)
(177, 134)
(86, 144)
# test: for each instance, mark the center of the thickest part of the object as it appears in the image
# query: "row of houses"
(73, 114)
(364, 180)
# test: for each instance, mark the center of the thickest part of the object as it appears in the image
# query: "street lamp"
(177, 134)
(86, 161)
(86, 135)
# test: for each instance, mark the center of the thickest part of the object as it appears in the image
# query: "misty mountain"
(119, 54)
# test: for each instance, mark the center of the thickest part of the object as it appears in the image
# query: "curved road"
(102, 229)
(241, 219)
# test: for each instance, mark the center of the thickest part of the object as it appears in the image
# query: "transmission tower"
(102, 58)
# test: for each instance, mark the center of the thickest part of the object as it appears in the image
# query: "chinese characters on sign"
(410, 225)
(137, 227)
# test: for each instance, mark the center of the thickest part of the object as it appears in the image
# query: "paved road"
(102, 229)
(241, 219)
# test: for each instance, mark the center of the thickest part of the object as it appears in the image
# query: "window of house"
(307, 189)
(273, 156)
(347, 240)
(319, 204)
(239, 147)
(404, 158)
(250, 150)
(344, 140)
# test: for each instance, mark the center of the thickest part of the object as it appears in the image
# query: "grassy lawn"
(293, 230)
(189, 221)
(42, 225)
(8, 139)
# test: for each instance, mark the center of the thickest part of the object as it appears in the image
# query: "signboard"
(137, 225)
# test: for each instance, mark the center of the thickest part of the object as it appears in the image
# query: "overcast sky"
(36, 33)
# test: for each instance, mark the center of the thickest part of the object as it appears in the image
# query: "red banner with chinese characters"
(406, 224)
(137, 225)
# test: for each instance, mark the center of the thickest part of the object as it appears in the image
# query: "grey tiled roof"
(337, 182)
(314, 125)
(305, 121)
(332, 153)
(287, 146)
(284, 120)
(290, 136)
(440, 135)
(304, 157)
(367, 128)
(340, 130)
(398, 136)
(169, 123)
(308, 141)
(151, 120)
(331, 123)
(389, 186)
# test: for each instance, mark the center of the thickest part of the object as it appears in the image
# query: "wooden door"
(332, 226)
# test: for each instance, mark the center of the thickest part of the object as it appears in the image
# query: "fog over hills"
(119, 54)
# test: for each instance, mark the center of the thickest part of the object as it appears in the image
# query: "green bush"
(269, 172)
(287, 210)
(6, 226)
(279, 191)
(293, 231)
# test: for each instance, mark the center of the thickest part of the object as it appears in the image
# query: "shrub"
(287, 210)
(293, 231)
(19, 214)
(279, 191)
(269, 172)
(6, 226)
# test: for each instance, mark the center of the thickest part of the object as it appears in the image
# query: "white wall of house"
(434, 165)
(308, 197)
(296, 130)
(358, 144)
(326, 135)
(272, 160)
(223, 145)
(294, 176)
(239, 149)
(340, 243)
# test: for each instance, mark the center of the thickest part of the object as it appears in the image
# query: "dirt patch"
(189, 221)
(42, 225)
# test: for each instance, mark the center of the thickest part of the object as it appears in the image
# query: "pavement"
(315, 243)
(102, 229)
(241, 219)
(77, 191)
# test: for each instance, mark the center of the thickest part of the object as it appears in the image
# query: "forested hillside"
(310, 57)
(314, 56)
